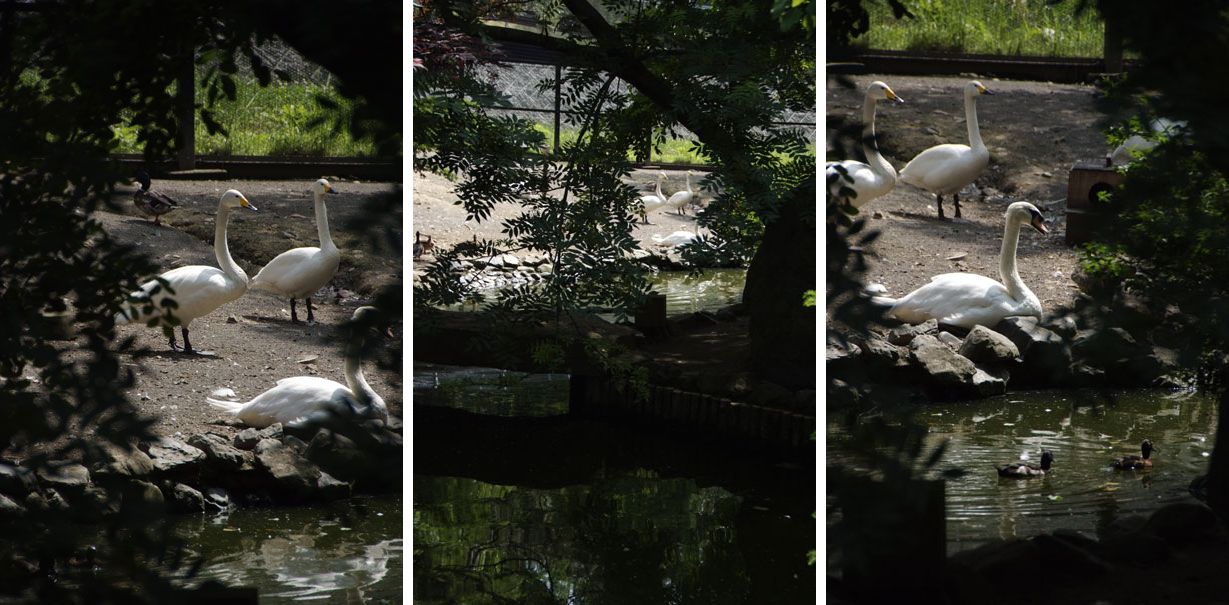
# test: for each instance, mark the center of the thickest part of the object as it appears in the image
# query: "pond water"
(707, 291)
(1085, 431)
(345, 552)
(640, 521)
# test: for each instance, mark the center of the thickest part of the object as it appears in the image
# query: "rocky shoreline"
(210, 472)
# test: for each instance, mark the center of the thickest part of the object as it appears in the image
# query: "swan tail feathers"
(231, 407)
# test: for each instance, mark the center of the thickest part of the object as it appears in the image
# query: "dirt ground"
(436, 213)
(254, 342)
(1035, 132)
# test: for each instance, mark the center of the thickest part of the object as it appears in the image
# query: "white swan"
(1136, 145)
(198, 289)
(680, 199)
(649, 203)
(967, 299)
(868, 181)
(951, 167)
(300, 272)
(311, 399)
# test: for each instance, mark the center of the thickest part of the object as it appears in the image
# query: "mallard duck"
(310, 399)
(418, 244)
(1022, 470)
(968, 299)
(950, 167)
(198, 289)
(300, 272)
(153, 203)
(1132, 462)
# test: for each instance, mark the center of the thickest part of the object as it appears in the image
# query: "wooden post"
(1112, 48)
(186, 102)
(558, 103)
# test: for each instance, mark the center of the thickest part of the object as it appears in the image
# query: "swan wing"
(651, 202)
(866, 182)
(199, 289)
(945, 168)
(959, 299)
(294, 399)
(298, 272)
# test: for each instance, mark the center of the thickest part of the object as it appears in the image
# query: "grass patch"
(673, 151)
(999, 27)
(271, 120)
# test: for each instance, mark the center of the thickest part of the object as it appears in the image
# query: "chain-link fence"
(521, 83)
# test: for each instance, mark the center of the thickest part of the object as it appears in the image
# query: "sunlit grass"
(1001, 27)
(271, 120)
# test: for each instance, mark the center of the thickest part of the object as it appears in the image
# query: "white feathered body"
(946, 169)
(298, 272)
(293, 400)
(199, 290)
(678, 238)
(962, 299)
(866, 182)
(651, 202)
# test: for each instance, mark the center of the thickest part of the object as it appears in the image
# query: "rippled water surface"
(490, 390)
(1085, 433)
(708, 291)
(346, 552)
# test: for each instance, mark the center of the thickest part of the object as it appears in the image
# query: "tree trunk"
(1218, 467)
(783, 269)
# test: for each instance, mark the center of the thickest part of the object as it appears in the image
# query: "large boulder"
(294, 477)
(65, 477)
(184, 498)
(123, 463)
(984, 346)
(171, 456)
(16, 481)
(1072, 557)
(942, 365)
(1185, 522)
(10, 509)
(221, 455)
(1047, 359)
(986, 385)
(142, 499)
(903, 335)
(249, 437)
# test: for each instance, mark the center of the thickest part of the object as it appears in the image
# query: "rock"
(1047, 359)
(903, 335)
(294, 477)
(987, 385)
(1185, 522)
(841, 394)
(1084, 375)
(55, 501)
(985, 346)
(184, 499)
(545, 269)
(1003, 559)
(172, 457)
(95, 505)
(68, 477)
(1154, 367)
(941, 364)
(117, 462)
(249, 437)
(1063, 325)
(880, 353)
(1122, 526)
(1069, 557)
(842, 358)
(1104, 348)
(142, 498)
(496, 262)
(9, 509)
(510, 260)
(951, 340)
(15, 480)
(219, 452)
(330, 488)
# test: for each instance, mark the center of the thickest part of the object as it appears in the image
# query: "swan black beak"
(332, 192)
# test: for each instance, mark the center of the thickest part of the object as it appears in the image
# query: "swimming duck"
(153, 203)
(1132, 462)
(1021, 470)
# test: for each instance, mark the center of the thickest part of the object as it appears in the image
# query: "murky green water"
(595, 513)
(344, 552)
(1085, 433)
(708, 291)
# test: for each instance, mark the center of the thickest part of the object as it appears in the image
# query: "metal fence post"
(558, 102)
(187, 112)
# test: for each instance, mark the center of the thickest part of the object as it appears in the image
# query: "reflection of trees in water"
(342, 553)
(633, 539)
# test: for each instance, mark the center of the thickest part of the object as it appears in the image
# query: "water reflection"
(490, 391)
(349, 552)
(634, 538)
(1086, 433)
(708, 291)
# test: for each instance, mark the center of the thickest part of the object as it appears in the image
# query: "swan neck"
(970, 118)
(358, 383)
(222, 251)
(870, 144)
(322, 224)
(1007, 261)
